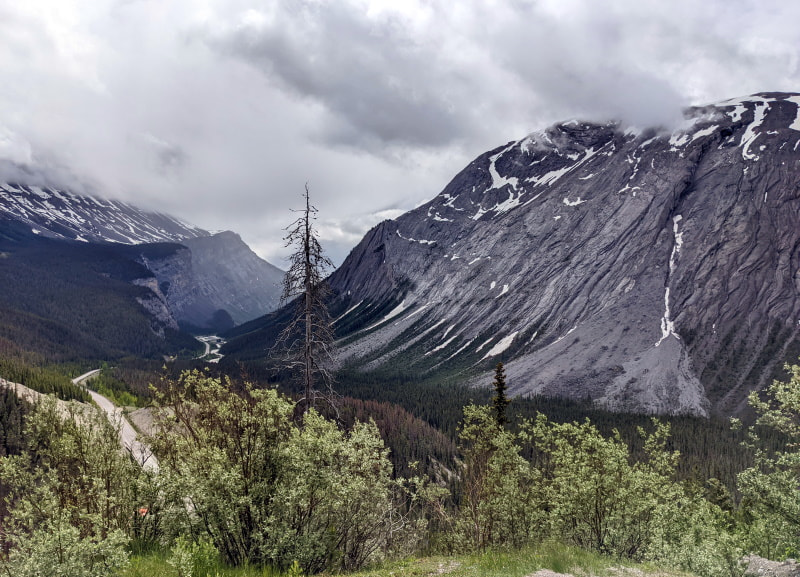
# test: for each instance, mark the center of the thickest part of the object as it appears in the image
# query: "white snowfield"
(65, 215)
(501, 346)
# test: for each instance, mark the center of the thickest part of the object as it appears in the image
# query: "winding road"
(213, 344)
(128, 435)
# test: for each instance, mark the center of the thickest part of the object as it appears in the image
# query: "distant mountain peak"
(61, 214)
(209, 273)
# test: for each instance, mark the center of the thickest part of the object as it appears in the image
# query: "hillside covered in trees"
(74, 301)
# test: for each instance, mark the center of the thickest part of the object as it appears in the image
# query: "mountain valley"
(616, 272)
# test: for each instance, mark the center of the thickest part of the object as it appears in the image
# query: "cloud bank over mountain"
(221, 111)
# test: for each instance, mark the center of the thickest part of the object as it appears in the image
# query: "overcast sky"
(218, 111)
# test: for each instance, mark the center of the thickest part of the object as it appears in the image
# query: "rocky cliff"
(207, 274)
(645, 269)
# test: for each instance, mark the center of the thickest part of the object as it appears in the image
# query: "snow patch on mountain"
(750, 135)
(667, 324)
(796, 124)
(501, 346)
(61, 214)
(497, 180)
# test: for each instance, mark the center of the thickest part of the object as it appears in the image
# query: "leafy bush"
(771, 488)
(56, 548)
(262, 488)
(502, 499)
(69, 495)
(584, 488)
(192, 558)
(599, 499)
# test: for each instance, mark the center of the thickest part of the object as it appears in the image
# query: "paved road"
(128, 435)
(213, 343)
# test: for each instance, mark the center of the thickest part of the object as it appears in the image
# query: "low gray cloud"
(220, 111)
(382, 84)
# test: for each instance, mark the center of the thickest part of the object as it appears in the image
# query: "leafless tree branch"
(308, 338)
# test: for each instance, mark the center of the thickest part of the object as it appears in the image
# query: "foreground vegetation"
(247, 481)
(495, 563)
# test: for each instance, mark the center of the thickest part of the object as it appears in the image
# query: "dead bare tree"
(308, 338)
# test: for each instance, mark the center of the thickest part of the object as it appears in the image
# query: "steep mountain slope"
(68, 301)
(204, 276)
(209, 283)
(645, 270)
(222, 261)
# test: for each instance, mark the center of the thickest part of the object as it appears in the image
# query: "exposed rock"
(234, 278)
(174, 272)
(760, 567)
(646, 270)
(213, 274)
(144, 420)
(157, 306)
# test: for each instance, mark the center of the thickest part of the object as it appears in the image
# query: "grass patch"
(156, 565)
(501, 563)
(496, 563)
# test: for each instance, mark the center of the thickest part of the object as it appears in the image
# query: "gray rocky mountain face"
(645, 270)
(212, 273)
(191, 284)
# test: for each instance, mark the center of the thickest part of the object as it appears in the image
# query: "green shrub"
(69, 495)
(583, 488)
(771, 488)
(58, 549)
(502, 497)
(193, 558)
(266, 490)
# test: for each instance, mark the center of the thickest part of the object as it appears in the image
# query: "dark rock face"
(213, 273)
(205, 281)
(231, 275)
(649, 271)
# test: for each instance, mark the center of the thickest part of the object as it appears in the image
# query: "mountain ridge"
(62, 214)
(646, 270)
(207, 281)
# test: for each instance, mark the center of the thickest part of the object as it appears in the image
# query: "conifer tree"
(500, 400)
(309, 335)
